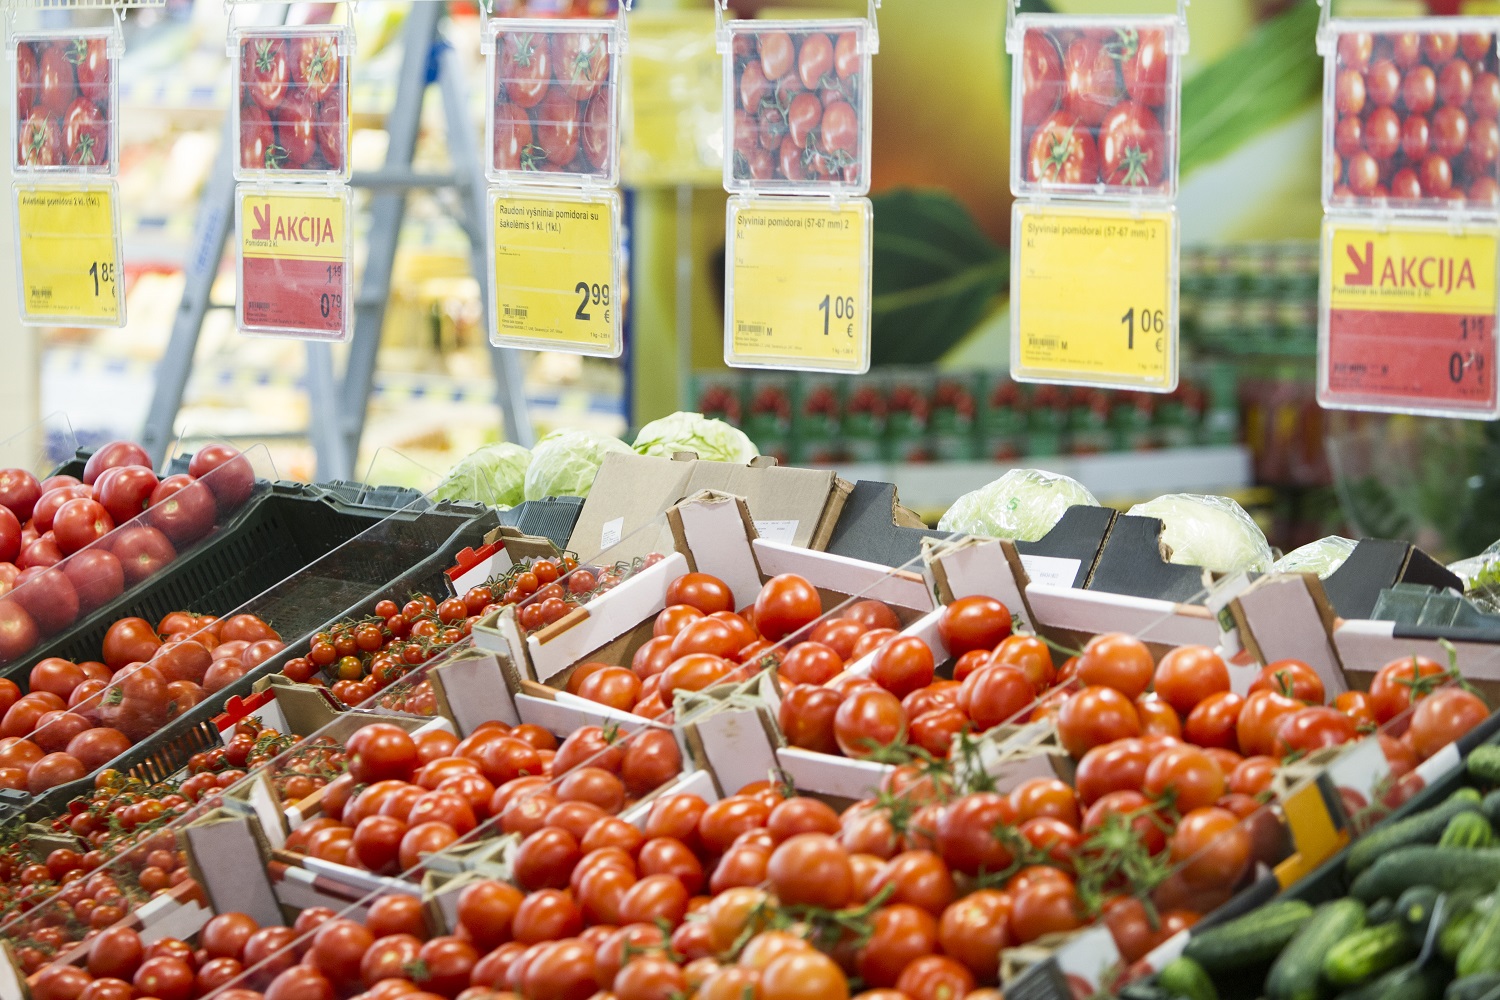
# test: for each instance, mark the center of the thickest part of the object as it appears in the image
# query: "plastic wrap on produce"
(1208, 531)
(494, 475)
(710, 439)
(563, 463)
(1021, 505)
(1481, 577)
(1321, 557)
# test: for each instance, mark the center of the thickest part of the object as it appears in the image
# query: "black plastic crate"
(552, 518)
(409, 552)
(281, 530)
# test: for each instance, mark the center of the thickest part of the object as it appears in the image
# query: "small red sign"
(1407, 359)
(294, 295)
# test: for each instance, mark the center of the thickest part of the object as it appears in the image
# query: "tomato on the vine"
(264, 71)
(1132, 145)
(1063, 152)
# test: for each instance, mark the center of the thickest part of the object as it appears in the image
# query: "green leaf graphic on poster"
(933, 275)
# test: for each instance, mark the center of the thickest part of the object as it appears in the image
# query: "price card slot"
(555, 268)
(1094, 296)
(1407, 318)
(798, 284)
(294, 262)
(68, 250)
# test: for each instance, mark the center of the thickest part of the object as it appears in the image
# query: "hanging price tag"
(68, 241)
(798, 284)
(555, 262)
(1407, 319)
(294, 262)
(1094, 296)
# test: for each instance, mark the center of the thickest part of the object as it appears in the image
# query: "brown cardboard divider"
(230, 859)
(630, 491)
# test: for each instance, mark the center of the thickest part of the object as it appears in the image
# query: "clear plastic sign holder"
(798, 227)
(63, 136)
(1409, 295)
(1095, 174)
(553, 214)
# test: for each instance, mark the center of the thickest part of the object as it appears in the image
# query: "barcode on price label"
(1407, 320)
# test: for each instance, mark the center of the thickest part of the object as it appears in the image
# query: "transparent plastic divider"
(41, 447)
(131, 554)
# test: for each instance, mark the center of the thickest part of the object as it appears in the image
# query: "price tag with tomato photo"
(555, 268)
(1096, 107)
(798, 284)
(68, 249)
(554, 101)
(1094, 296)
(66, 85)
(294, 262)
(1407, 318)
(797, 99)
(291, 112)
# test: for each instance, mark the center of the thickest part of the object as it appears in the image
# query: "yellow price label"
(556, 267)
(799, 284)
(1093, 300)
(70, 255)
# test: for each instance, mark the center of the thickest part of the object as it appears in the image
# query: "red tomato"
(868, 721)
(1260, 720)
(1189, 674)
(1063, 152)
(1398, 682)
(903, 665)
(1095, 716)
(1132, 146)
(806, 717)
(995, 695)
(1443, 717)
(785, 604)
(263, 71)
(1212, 847)
(1093, 81)
(1292, 678)
(1043, 80)
(1047, 907)
(1117, 661)
(966, 833)
(1185, 776)
(700, 590)
(972, 623)
(1145, 69)
(1313, 729)
(1214, 721)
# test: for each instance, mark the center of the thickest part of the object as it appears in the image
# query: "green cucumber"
(1449, 869)
(1485, 986)
(1481, 953)
(1295, 974)
(1468, 829)
(1184, 977)
(1491, 807)
(1365, 954)
(1484, 764)
(1381, 911)
(1455, 934)
(1405, 982)
(1423, 828)
(1254, 939)
(1414, 911)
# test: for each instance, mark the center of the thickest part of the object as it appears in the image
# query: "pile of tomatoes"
(300, 766)
(359, 658)
(292, 101)
(699, 641)
(404, 797)
(1096, 107)
(1417, 117)
(547, 590)
(554, 101)
(61, 556)
(796, 106)
(77, 717)
(64, 103)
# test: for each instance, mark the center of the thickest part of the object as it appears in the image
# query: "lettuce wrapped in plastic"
(1321, 557)
(713, 440)
(563, 463)
(1207, 531)
(1481, 577)
(1021, 505)
(493, 475)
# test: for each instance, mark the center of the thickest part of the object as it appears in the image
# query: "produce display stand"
(298, 585)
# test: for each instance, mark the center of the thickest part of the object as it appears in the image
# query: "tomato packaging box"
(291, 110)
(797, 105)
(554, 101)
(67, 95)
(1411, 115)
(1096, 105)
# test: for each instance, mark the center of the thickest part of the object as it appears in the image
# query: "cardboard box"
(1377, 564)
(874, 527)
(799, 506)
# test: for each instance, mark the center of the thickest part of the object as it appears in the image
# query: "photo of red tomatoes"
(1412, 119)
(1098, 109)
(801, 109)
(293, 106)
(552, 99)
(64, 102)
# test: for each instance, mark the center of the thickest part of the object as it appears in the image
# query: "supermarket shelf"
(1119, 476)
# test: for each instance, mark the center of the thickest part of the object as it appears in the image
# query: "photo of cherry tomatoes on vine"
(1098, 108)
(293, 96)
(1413, 118)
(553, 101)
(63, 103)
(799, 112)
